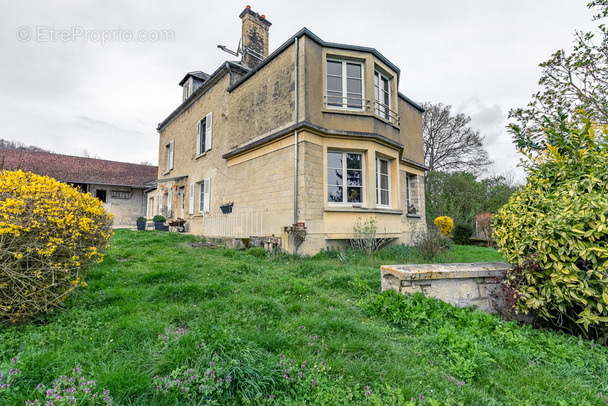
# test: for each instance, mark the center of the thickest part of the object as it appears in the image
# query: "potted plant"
(226, 207)
(141, 223)
(159, 222)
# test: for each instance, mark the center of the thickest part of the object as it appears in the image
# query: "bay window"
(344, 177)
(382, 182)
(382, 96)
(344, 84)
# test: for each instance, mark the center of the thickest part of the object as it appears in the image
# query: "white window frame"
(203, 196)
(382, 109)
(379, 174)
(170, 154)
(160, 202)
(187, 89)
(204, 132)
(345, 100)
(344, 178)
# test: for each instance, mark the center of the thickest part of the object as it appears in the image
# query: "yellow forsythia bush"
(444, 224)
(49, 233)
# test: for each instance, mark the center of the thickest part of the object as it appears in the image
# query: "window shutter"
(208, 132)
(207, 193)
(171, 149)
(191, 207)
(169, 203)
(198, 138)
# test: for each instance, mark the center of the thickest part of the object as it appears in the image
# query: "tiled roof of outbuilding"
(75, 169)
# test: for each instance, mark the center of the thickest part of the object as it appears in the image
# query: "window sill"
(201, 154)
(362, 209)
(166, 173)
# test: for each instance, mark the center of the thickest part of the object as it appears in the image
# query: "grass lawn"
(163, 323)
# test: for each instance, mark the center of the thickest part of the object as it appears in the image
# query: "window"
(203, 134)
(412, 194)
(101, 195)
(187, 91)
(382, 182)
(382, 95)
(170, 150)
(203, 202)
(344, 84)
(344, 174)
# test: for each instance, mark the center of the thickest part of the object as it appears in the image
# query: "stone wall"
(458, 284)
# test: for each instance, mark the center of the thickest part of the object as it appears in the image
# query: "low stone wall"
(459, 284)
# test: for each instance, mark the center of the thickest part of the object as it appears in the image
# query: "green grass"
(156, 308)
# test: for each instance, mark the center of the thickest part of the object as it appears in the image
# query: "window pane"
(353, 161)
(383, 182)
(353, 85)
(384, 197)
(384, 167)
(334, 84)
(353, 70)
(354, 178)
(334, 194)
(354, 195)
(334, 68)
(334, 177)
(384, 84)
(334, 160)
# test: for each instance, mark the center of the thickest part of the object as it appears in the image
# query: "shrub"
(444, 224)
(158, 219)
(141, 219)
(49, 233)
(462, 234)
(484, 225)
(431, 243)
(559, 220)
(365, 236)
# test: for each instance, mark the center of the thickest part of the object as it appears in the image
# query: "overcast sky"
(74, 77)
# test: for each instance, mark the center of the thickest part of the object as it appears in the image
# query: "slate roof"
(75, 169)
(197, 74)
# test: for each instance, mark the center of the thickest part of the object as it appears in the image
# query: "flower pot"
(159, 226)
(226, 208)
(141, 225)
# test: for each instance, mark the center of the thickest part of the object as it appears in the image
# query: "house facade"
(315, 135)
(120, 186)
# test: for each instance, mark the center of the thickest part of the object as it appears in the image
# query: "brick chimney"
(254, 39)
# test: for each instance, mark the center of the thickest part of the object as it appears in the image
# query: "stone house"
(120, 186)
(314, 135)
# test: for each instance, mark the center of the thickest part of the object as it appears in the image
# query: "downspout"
(295, 137)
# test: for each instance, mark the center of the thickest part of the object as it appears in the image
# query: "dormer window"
(187, 89)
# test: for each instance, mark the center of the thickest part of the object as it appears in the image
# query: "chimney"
(254, 39)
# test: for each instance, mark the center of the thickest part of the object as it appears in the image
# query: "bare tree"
(449, 143)
(10, 144)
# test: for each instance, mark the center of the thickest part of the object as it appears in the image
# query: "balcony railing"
(243, 222)
(358, 104)
(384, 111)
